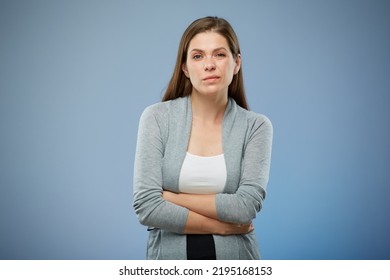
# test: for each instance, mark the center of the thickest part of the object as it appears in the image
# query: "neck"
(206, 108)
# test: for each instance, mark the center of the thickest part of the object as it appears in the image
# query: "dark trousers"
(200, 247)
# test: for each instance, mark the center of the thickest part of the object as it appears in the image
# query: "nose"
(209, 64)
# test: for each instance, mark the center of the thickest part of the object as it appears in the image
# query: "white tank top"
(202, 175)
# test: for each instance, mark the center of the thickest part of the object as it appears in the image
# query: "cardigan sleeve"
(243, 205)
(151, 209)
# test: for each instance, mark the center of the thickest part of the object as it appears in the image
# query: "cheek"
(192, 71)
(229, 70)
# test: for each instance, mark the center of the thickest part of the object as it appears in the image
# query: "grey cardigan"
(163, 136)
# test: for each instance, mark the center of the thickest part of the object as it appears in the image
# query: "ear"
(238, 64)
(185, 70)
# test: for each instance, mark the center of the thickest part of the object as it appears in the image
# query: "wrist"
(212, 226)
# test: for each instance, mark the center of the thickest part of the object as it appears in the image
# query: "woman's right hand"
(199, 224)
(229, 229)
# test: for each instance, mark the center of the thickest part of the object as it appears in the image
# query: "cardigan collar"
(227, 141)
(180, 123)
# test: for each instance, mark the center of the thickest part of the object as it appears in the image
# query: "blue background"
(76, 75)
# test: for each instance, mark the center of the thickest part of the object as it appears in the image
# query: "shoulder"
(253, 119)
(256, 117)
(155, 110)
(160, 110)
(258, 130)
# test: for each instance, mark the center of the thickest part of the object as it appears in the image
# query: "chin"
(211, 91)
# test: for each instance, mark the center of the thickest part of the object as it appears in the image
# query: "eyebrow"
(217, 49)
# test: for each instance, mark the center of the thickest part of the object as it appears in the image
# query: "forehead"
(208, 40)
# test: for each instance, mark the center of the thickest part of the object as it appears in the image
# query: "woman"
(202, 158)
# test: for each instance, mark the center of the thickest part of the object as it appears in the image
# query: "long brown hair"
(180, 85)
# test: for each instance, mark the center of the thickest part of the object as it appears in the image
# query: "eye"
(197, 56)
(220, 55)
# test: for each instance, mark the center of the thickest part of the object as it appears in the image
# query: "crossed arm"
(203, 217)
(197, 214)
(181, 213)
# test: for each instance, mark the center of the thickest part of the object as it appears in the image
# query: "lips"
(211, 78)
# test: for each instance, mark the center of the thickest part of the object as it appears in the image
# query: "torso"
(205, 138)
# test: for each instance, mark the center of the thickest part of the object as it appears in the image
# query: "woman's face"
(210, 64)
